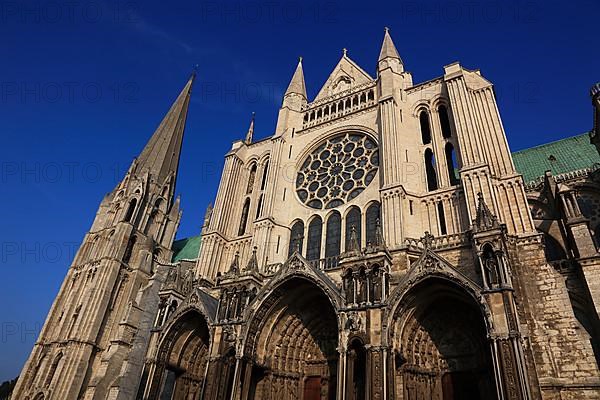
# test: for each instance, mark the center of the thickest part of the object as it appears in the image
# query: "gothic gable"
(345, 76)
(199, 301)
(431, 264)
(298, 266)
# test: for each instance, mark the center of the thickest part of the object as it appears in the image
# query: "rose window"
(337, 171)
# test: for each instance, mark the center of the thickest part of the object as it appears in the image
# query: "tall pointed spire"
(297, 85)
(250, 132)
(388, 50)
(160, 157)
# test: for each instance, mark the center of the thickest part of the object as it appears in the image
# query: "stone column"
(376, 378)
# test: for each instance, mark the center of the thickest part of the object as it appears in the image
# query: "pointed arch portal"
(293, 343)
(182, 360)
(440, 346)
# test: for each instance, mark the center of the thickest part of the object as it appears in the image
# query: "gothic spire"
(297, 85)
(250, 132)
(160, 157)
(388, 50)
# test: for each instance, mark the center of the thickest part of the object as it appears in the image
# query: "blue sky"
(84, 84)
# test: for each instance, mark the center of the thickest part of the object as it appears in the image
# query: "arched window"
(244, 219)
(353, 220)
(259, 207)
(251, 179)
(373, 216)
(296, 237)
(129, 249)
(313, 250)
(130, 210)
(52, 370)
(333, 236)
(442, 218)
(444, 121)
(263, 184)
(430, 170)
(452, 164)
(425, 129)
(151, 220)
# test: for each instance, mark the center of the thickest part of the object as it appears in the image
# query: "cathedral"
(382, 243)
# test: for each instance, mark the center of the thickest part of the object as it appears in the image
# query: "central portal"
(296, 347)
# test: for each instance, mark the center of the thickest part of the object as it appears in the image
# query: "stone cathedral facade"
(380, 244)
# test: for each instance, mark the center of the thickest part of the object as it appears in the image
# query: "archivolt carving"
(182, 357)
(439, 339)
(198, 307)
(293, 336)
(297, 267)
(431, 265)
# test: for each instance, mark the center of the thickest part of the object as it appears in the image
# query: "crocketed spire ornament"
(250, 133)
(252, 265)
(234, 269)
(485, 219)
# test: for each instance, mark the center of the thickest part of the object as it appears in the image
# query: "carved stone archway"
(292, 345)
(182, 359)
(440, 345)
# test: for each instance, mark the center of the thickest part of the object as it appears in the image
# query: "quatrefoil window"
(337, 170)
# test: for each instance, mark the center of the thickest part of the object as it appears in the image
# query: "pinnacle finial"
(299, 59)
(253, 262)
(250, 133)
(234, 269)
(345, 52)
(386, 29)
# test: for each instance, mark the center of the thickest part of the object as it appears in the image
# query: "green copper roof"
(565, 155)
(186, 249)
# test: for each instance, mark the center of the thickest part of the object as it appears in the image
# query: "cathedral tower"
(93, 343)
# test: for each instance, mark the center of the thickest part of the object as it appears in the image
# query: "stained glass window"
(333, 236)
(296, 237)
(372, 217)
(313, 251)
(353, 220)
(337, 170)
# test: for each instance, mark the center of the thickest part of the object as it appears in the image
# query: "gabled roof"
(565, 155)
(345, 70)
(186, 249)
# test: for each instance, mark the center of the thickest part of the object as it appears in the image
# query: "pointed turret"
(388, 50)
(389, 59)
(160, 157)
(250, 132)
(484, 219)
(297, 85)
